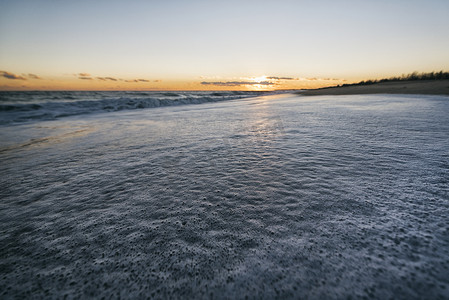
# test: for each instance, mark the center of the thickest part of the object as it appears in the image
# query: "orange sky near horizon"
(85, 81)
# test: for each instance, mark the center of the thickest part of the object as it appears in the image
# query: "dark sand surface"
(430, 87)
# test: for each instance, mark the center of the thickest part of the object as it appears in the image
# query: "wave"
(27, 106)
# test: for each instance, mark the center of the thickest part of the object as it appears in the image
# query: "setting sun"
(259, 79)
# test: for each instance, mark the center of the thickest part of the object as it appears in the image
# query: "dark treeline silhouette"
(405, 77)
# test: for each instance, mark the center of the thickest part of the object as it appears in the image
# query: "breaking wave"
(27, 106)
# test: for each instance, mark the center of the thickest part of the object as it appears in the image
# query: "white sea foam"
(324, 197)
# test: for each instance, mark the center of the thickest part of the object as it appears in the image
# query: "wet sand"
(431, 87)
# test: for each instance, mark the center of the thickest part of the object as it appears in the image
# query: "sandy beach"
(431, 87)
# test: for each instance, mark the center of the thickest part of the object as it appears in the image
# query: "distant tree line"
(405, 77)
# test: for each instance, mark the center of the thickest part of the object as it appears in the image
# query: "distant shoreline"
(426, 87)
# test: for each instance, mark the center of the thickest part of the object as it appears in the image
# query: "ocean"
(223, 195)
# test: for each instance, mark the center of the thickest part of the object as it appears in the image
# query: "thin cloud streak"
(281, 78)
(87, 76)
(33, 76)
(236, 83)
(9, 75)
(323, 79)
(137, 80)
(107, 78)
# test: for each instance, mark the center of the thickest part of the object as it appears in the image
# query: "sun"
(260, 83)
(259, 79)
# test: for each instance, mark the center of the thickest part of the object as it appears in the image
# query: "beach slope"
(428, 87)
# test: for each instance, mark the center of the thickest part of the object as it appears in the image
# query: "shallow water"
(279, 196)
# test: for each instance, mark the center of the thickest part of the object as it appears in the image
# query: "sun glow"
(260, 87)
(259, 79)
(260, 83)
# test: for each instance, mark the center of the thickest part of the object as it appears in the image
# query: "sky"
(217, 45)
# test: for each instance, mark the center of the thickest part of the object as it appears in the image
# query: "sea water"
(266, 196)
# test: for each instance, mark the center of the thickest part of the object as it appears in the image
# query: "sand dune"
(431, 87)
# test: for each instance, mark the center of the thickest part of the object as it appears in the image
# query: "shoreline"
(427, 87)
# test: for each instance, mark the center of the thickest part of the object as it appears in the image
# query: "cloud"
(236, 83)
(157, 80)
(324, 79)
(83, 74)
(137, 80)
(33, 76)
(85, 78)
(281, 78)
(11, 75)
(107, 78)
